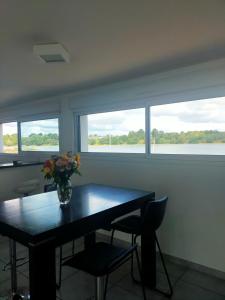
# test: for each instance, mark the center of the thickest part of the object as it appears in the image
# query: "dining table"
(39, 223)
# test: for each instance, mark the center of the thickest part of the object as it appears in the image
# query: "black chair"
(100, 260)
(50, 188)
(153, 217)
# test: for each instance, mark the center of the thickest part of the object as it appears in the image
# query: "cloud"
(116, 123)
(194, 115)
(200, 110)
(9, 128)
(40, 126)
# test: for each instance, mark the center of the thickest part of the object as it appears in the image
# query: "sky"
(9, 128)
(190, 116)
(116, 123)
(197, 115)
(41, 126)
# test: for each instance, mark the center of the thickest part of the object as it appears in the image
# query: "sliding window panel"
(194, 127)
(9, 138)
(40, 135)
(113, 132)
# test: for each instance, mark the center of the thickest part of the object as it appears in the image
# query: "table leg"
(99, 288)
(42, 272)
(148, 257)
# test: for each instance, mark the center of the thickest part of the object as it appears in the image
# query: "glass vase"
(64, 191)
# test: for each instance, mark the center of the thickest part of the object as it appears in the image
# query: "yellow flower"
(65, 156)
(47, 170)
(77, 159)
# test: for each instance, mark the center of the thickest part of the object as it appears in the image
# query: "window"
(8, 138)
(195, 127)
(41, 135)
(115, 132)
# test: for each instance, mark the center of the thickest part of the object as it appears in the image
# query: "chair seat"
(130, 224)
(97, 259)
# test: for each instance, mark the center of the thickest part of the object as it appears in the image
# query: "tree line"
(132, 138)
(50, 139)
(189, 137)
(160, 137)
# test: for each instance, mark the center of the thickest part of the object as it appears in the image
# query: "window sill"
(28, 156)
(19, 165)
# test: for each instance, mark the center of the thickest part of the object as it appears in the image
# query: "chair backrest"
(154, 213)
(49, 187)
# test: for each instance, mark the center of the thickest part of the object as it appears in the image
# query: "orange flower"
(52, 164)
(77, 159)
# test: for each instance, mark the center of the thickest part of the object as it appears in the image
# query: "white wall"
(195, 220)
(194, 225)
(11, 178)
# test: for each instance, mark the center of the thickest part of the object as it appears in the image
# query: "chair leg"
(140, 273)
(132, 255)
(12, 253)
(165, 269)
(13, 260)
(132, 260)
(58, 285)
(134, 241)
(112, 236)
(106, 286)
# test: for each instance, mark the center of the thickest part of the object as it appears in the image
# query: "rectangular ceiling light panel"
(51, 53)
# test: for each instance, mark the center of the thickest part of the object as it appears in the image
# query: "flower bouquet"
(60, 168)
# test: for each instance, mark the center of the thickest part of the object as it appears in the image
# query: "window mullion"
(77, 135)
(19, 137)
(147, 130)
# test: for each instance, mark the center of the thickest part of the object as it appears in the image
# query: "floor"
(187, 283)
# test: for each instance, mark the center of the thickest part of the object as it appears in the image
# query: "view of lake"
(211, 149)
(117, 148)
(204, 149)
(41, 148)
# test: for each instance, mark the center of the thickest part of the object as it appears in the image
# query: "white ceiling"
(108, 40)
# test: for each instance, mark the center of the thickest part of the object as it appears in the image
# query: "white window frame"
(105, 109)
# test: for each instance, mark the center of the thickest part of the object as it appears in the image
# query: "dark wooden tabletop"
(34, 218)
